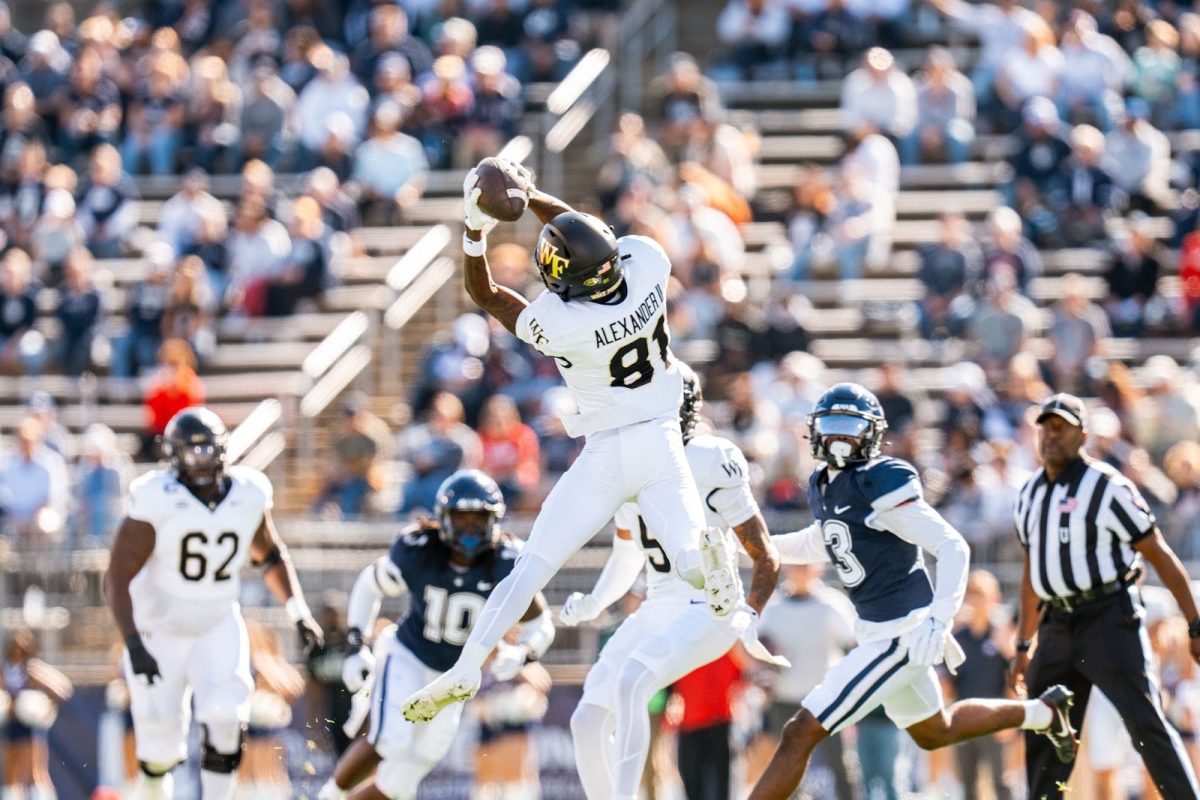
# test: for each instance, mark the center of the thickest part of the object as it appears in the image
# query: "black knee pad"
(155, 770)
(224, 763)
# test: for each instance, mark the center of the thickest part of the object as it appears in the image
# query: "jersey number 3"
(837, 539)
(193, 558)
(630, 366)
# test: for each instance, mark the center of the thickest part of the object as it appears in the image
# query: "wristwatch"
(1194, 629)
(1024, 645)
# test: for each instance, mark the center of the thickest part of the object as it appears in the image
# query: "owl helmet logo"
(548, 257)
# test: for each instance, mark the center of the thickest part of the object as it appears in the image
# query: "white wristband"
(296, 609)
(474, 248)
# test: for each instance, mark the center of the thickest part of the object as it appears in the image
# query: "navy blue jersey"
(884, 574)
(444, 599)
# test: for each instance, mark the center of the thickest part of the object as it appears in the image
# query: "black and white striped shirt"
(1079, 529)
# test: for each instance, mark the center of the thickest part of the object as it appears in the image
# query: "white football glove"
(474, 217)
(579, 608)
(356, 668)
(927, 644)
(508, 662)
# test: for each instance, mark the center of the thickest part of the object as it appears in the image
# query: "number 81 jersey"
(615, 358)
(192, 579)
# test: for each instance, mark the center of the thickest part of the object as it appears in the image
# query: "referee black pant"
(1104, 644)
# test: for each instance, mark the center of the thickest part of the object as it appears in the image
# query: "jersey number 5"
(658, 560)
(630, 373)
(837, 539)
(193, 563)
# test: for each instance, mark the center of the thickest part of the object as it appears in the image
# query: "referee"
(1086, 530)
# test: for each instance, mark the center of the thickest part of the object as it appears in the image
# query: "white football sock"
(591, 733)
(216, 785)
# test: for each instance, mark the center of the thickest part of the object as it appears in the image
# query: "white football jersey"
(723, 479)
(193, 578)
(615, 359)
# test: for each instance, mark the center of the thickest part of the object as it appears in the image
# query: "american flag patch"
(1068, 505)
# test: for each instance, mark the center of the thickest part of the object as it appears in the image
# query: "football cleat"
(456, 686)
(720, 573)
(1060, 733)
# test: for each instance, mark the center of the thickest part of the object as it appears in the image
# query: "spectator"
(176, 386)
(434, 449)
(101, 477)
(211, 249)
(390, 167)
(137, 349)
(983, 675)
(27, 762)
(34, 488)
(1095, 70)
(1085, 196)
(703, 749)
(309, 267)
(834, 36)
(1031, 70)
(328, 699)
(21, 125)
(56, 235)
(13, 43)
(632, 155)
(189, 309)
(266, 120)
(394, 86)
(181, 217)
(703, 234)
(1138, 156)
(89, 112)
(898, 409)
(998, 327)
(337, 209)
(214, 109)
(1077, 329)
(80, 312)
(22, 199)
(806, 604)
(257, 38)
(389, 33)
(1007, 249)
(856, 224)
(949, 272)
(107, 203)
(156, 116)
(497, 109)
(42, 408)
(678, 97)
(1189, 278)
(1002, 28)
(880, 94)
(1039, 151)
(754, 31)
(813, 201)
(258, 250)
(44, 70)
(945, 108)
(1132, 278)
(362, 445)
(334, 90)
(1156, 68)
(447, 99)
(337, 153)
(1169, 412)
(21, 347)
(510, 451)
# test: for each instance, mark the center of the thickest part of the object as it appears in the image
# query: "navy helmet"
(846, 425)
(194, 442)
(693, 401)
(468, 509)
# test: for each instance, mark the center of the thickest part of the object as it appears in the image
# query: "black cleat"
(1060, 733)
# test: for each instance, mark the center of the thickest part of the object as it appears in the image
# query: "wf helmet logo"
(549, 260)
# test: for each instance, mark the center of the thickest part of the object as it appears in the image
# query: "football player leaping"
(672, 633)
(603, 318)
(448, 566)
(173, 582)
(873, 524)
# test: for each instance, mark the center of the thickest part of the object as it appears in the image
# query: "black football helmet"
(693, 401)
(846, 426)
(468, 509)
(577, 257)
(194, 442)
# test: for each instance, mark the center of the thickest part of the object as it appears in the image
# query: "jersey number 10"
(450, 617)
(630, 374)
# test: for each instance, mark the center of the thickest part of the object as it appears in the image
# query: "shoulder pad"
(412, 538)
(148, 494)
(256, 480)
(642, 247)
(510, 547)
(888, 482)
(716, 462)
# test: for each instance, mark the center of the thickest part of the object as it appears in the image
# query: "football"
(503, 191)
